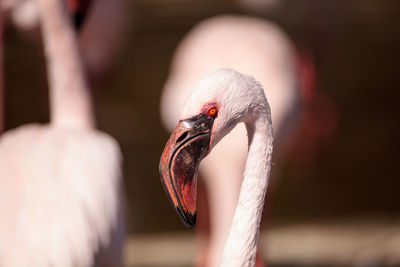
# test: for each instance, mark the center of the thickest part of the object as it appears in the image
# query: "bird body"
(251, 46)
(214, 107)
(59, 205)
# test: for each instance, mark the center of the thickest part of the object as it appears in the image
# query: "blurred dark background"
(355, 44)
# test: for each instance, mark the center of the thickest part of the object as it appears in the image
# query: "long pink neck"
(70, 103)
(241, 245)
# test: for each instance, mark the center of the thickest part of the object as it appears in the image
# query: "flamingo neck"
(70, 103)
(241, 245)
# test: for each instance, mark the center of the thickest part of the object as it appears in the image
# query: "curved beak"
(186, 147)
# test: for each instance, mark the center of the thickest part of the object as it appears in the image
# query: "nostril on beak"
(182, 137)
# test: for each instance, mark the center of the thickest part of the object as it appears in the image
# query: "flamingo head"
(219, 101)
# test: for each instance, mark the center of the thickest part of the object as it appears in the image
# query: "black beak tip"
(78, 20)
(188, 219)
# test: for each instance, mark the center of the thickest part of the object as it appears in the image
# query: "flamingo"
(252, 46)
(214, 107)
(61, 183)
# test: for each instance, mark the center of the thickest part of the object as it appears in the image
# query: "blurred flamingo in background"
(61, 183)
(255, 47)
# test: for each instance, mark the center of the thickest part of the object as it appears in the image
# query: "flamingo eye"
(212, 112)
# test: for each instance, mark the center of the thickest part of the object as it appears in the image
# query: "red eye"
(212, 112)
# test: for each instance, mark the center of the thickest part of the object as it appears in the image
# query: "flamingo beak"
(78, 10)
(187, 146)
